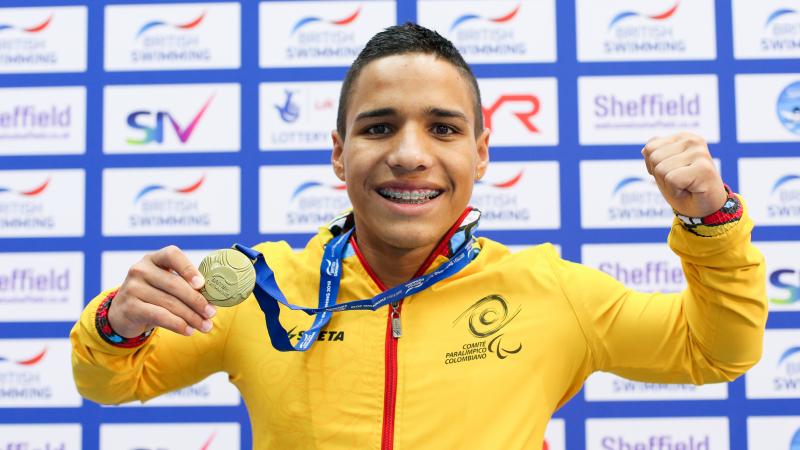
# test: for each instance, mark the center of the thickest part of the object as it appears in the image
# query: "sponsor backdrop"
(129, 125)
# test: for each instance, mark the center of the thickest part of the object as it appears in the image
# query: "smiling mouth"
(409, 197)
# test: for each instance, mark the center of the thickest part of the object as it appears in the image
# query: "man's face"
(410, 156)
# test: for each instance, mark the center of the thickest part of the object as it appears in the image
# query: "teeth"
(415, 197)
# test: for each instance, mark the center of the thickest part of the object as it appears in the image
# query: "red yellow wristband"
(717, 223)
(108, 334)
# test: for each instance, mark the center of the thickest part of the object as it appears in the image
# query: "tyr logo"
(486, 318)
(528, 103)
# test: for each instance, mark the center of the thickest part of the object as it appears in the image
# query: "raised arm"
(116, 358)
(713, 330)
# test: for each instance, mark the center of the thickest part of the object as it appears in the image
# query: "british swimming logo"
(191, 188)
(657, 17)
(32, 192)
(309, 20)
(156, 24)
(471, 17)
(785, 197)
(35, 28)
(303, 187)
(28, 361)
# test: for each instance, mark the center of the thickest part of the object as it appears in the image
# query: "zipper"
(393, 332)
(397, 330)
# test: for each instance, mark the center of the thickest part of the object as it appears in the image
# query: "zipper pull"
(397, 330)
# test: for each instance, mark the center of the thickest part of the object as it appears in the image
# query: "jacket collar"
(458, 235)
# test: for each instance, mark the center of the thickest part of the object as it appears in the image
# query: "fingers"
(173, 314)
(172, 258)
(175, 286)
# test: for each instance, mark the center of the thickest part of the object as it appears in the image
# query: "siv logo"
(788, 107)
(305, 21)
(156, 24)
(625, 15)
(795, 445)
(470, 17)
(485, 320)
(158, 187)
(35, 28)
(36, 190)
(154, 130)
(527, 103)
(289, 112)
(30, 361)
(788, 280)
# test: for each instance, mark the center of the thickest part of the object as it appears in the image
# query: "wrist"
(718, 222)
(110, 334)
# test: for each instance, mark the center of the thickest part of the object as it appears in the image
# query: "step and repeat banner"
(128, 126)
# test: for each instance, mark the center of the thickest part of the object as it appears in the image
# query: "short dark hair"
(403, 39)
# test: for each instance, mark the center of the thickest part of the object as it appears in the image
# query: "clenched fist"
(161, 290)
(685, 174)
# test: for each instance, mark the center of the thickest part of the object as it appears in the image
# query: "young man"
(479, 360)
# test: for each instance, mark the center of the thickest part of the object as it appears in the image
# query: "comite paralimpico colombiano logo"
(155, 132)
(178, 26)
(631, 14)
(38, 189)
(473, 17)
(777, 14)
(315, 184)
(33, 360)
(314, 19)
(31, 29)
(159, 187)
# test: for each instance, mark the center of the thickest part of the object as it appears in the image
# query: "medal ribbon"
(269, 295)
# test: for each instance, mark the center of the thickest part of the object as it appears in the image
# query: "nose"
(410, 153)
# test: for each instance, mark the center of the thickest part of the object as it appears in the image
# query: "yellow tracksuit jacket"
(484, 359)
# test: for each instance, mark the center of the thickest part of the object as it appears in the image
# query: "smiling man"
(479, 359)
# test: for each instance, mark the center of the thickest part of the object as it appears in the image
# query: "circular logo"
(230, 277)
(789, 107)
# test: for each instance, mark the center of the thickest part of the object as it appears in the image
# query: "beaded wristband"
(717, 223)
(108, 334)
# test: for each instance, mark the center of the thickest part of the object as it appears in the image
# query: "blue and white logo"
(788, 107)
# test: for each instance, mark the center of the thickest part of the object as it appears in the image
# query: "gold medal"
(230, 277)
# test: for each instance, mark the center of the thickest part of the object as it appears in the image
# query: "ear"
(483, 154)
(337, 155)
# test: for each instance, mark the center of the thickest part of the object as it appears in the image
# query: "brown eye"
(378, 130)
(442, 129)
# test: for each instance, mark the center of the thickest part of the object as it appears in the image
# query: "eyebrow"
(447, 113)
(391, 112)
(380, 112)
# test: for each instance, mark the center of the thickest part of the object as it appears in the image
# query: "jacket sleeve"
(164, 362)
(710, 332)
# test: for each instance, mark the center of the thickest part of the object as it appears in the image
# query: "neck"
(394, 265)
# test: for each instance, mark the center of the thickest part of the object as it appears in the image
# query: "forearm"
(725, 303)
(111, 374)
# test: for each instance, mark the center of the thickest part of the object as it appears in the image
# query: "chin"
(413, 234)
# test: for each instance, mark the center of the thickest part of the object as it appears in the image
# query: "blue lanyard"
(269, 294)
